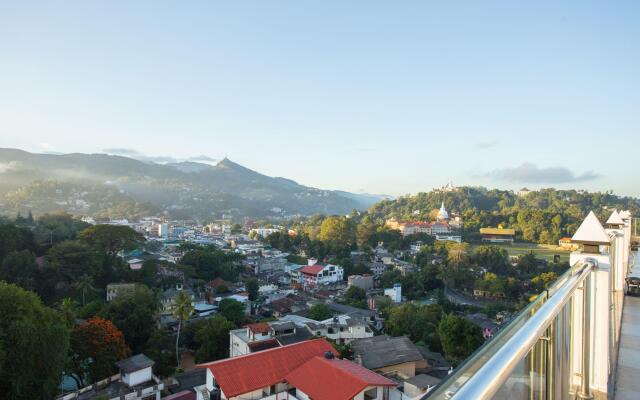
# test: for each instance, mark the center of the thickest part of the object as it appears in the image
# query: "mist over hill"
(110, 186)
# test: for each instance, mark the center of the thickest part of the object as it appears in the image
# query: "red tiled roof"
(260, 327)
(312, 269)
(243, 374)
(346, 378)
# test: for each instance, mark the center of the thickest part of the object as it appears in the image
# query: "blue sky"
(383, 97)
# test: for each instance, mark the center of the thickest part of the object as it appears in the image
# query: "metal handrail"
(488, 380)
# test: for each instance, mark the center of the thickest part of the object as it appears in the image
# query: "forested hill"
(541, 216)
(110, 186)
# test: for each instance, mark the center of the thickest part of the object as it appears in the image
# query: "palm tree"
(182, 311)
(83, 283)
(69, 310)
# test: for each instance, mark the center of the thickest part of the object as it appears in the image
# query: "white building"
(395, 293)
(135, 381)
(315, 275)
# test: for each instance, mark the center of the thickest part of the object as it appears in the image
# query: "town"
(391, 307)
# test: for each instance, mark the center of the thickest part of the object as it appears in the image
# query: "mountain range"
(111, 186)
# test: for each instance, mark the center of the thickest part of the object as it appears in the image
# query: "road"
(459, 298)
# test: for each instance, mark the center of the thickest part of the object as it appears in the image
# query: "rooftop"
(135, 363)
(346, 379)
(381, 351)
(239, 375)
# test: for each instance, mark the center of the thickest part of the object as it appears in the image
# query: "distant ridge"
(120, 186)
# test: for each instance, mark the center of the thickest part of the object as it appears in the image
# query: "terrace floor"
(627, 384)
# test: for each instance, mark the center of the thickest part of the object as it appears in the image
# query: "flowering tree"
(96, 346)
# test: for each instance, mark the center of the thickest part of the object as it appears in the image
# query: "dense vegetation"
(54, 272)
(542, 216)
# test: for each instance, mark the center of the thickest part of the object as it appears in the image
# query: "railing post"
(585, 382)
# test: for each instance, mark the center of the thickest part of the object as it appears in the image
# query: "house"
(498, 235)
(241, 340)
(169, 296)
(523, 192)
(134, 381)
(312, 276)
(395, 293)
(362, 281)
(419, 384)
(299, 371)
(389, 355)
(115, 289)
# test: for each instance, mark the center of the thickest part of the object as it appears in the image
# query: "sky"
(378, 97)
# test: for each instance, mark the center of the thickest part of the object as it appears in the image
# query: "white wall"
(137, 377)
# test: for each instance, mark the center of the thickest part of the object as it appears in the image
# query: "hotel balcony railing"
(556, 348)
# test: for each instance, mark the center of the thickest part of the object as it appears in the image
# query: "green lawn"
(545, 252)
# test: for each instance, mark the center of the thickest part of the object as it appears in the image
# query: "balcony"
(580, 339)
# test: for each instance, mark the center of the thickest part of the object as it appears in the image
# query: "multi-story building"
(312, 276)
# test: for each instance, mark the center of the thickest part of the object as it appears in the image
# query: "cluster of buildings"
(442, 227)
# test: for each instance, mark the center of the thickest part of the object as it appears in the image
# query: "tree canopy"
(33, 345)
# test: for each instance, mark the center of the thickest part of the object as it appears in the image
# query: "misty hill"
(111, 186)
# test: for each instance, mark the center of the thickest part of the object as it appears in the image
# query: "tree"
(19, 267)
(182, 311)
(84, 283)
(320, 312)
(459, 337)
(159, 348)
(337, 230)
(356, 297)
(212, 339)
(96, 345)
(133, 314)
(33, 345)
(232, 310)
(13, 238)
(251, 285)
(111, 239)
(69, 311)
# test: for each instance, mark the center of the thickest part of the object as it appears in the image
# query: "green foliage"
(320, 312)
(344, 349)
(210, 263)
(419, 322)
(111, 239)
(160, 349)
(543, 216)
(133, 314)
(251, 285)
(33, 345)
(355, 297)
(212, 339)
(459, 337)
(14, 238)
(57, 227)
(232, 310)
(19, 267)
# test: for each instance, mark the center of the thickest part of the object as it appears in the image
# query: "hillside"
(541, 216)
(115, 187)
